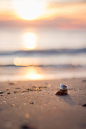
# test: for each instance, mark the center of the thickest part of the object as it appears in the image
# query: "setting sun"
(29, 40)
(29, 9)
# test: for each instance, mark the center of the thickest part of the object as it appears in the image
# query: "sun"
(29, 40)
(29, 9)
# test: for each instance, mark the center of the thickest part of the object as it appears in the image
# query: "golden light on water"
(33, 74)
(29, 9)
(17, 61)
(29, 40)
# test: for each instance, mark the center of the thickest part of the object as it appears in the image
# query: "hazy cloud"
(66, 1)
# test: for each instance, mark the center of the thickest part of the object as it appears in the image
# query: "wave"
(53, 66)
(43, 52)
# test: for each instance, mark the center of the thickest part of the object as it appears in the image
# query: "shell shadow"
(68, 100)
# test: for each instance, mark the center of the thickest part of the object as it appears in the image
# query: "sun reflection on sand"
(29, 40)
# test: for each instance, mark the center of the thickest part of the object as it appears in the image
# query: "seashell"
(62, 91)
(63, 87)
(62, 84)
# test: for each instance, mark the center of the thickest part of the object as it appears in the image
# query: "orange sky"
(64, 15)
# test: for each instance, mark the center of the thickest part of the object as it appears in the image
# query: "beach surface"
(34, 105)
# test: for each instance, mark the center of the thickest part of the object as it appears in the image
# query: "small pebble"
(5, 97)
(27, 126)
(32, 89)
(7, 88)
(13, 83)
(13, 105)
(26, 91)
(8, 93)
(17, 88)
(15, 92)
(42, 87)
(84, 105)
(1, 92)
(32, 103)
(38, 87)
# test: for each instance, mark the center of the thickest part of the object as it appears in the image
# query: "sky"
(54, 13)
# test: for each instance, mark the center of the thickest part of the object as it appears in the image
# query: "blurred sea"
(41, 53)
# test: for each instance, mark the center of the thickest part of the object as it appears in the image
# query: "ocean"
(41, 53)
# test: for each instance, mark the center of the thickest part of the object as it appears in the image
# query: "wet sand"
(34, 105)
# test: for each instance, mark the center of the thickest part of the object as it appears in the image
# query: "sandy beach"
(34, 105)
(42, 64)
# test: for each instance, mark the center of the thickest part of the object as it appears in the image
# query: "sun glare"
(33, 74)
(17, 61)
(29, 9)
(29, 40)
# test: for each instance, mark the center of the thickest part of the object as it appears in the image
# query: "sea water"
(41, 53)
